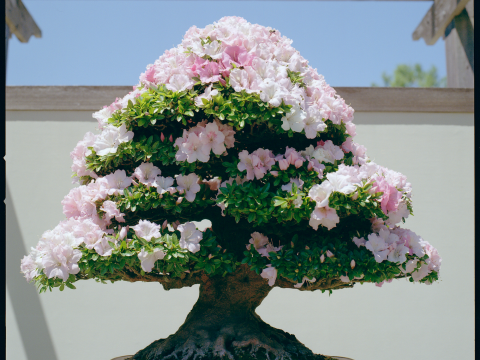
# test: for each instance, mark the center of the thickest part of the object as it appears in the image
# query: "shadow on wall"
(24, 297)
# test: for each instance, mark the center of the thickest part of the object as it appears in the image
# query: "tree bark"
(223, 325)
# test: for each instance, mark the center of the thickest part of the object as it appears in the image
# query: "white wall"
(398, 321)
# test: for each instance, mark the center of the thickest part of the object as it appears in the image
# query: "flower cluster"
(396, 244)
(289, 170)
(197, 143)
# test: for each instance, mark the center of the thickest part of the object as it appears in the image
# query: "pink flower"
(147, 230)
(111, 211)
(293, 157)
(117, 182)
(188, 184)
(391, 196)
(237, 55)
(329, 253)
(352, 264)
(147, 173)
(213, 139)
(28, 268)
(248, 162)
(283, 164)
(195, 150)
(209, 72)
(228, 132)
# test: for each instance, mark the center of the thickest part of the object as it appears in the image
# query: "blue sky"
(111, 42)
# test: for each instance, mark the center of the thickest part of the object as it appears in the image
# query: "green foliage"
(412, 76)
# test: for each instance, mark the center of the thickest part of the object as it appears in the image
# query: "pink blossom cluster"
(105, 143)
(395, 243)
(259, 162)
(254, 59)
(190, 239)
(187, 185)
(197, 143)
(57, 252)
(79, 166)
(347, 179)
(80, 203)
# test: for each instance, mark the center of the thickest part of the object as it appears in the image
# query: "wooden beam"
(437, 18)
(362, 99)
(20, 22)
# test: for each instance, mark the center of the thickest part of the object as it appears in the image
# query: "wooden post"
(459, 50)
(453, 20)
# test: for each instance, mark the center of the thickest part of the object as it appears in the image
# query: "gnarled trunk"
(223, 325)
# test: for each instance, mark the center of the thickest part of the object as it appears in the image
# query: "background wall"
(399, 321)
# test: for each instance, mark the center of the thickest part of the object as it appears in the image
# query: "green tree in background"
(412, 76)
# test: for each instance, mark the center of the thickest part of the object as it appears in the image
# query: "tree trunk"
(223, 325)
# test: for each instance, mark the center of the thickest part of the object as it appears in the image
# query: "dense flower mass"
(232, 126)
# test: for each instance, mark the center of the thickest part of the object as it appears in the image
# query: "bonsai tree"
(231, 126)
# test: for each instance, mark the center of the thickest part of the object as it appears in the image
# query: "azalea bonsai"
(231, 126)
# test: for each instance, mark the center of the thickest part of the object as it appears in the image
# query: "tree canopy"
(232, 126)
(412, 76)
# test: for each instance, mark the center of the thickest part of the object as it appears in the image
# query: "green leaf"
(71, 286)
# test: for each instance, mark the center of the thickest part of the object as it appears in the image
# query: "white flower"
(394, 217)
(271, 92)
(313, 123)
(398, 254)
(107, 142)
(376, 244)
(164, 184)
(179, 82)
(324, 216)
(321, 193)
(341, 183)
(207, 95)
(28, 268)
(102, 116)
(294, 119)
(189, 185)
(194, 149)
(269, 273)
(148, 259)
(214, 49)
(147, 230)
(190, 237)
